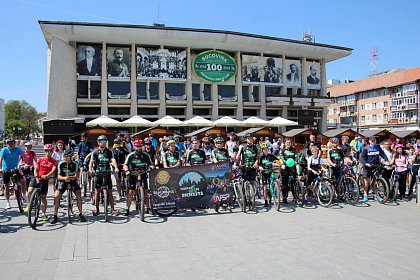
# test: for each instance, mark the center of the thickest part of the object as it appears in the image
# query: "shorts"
(62, 186)
(132, 182)
(120, 171)
(367, 172)
(99, 179)
(42, 186)
(8, 174)
(248, 173)
(335, 172)
(265, 178)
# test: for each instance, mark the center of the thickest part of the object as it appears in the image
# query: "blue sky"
(391, 26)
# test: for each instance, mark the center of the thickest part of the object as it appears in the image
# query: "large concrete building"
(126, 70)
(389, 100)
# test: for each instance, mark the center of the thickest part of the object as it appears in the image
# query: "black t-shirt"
(171, 158)
(336, 155)
(266, 162)
(138, 162)
(120, 155)
(195, 157)
(102, 160)
(220, 154)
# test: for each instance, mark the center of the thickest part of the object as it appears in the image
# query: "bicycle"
(84, 180)
(16, 188)
(259, 190)
(238, 193)
(346, 186)
(248, 192)
(35, 206)
(379, 185)
(70, 201)
(274, 190)
(104, 189)
(321, 188)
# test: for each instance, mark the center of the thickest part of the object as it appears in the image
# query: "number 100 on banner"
(214, 66)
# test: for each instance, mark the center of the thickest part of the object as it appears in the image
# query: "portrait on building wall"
(118, 62)
(313, 75)
(293, 77)
(257, 69)
(88, 60)
(164, 64)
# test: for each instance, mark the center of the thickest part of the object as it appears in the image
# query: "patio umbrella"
(254, 122)
(168, 121)
(227, 121)
(135, 122)
(103, 121)
(198, 121)
(279, 121)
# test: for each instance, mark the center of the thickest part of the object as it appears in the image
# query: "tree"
(21, 119)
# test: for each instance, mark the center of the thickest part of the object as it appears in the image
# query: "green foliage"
(21, 119)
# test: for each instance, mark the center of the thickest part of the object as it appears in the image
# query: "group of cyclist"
(133, 159)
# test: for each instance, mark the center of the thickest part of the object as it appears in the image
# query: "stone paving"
(368, 241)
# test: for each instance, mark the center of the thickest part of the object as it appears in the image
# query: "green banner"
(214, 66)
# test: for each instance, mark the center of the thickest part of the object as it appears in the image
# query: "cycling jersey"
(67, 169)
(370, 154)
(315, 163)
(120, 155)
(220, 154)
(266, 162)
(336, 155)
(84, 148)
(171, 159)
(138, 162)
(30, 155)
(195, 157)
(285, 154)
(248, 154)
(102, 160)
(45, 165)
(10, 158)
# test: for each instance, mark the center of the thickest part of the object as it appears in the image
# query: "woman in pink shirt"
(400, 160)
(28, 163)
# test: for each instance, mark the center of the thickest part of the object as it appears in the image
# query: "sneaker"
(26, 210)
(114, 212)
(127, 213)
(365, 198)
(54, 220)
(95, 212)
(82, 218)
(305, 202)
(8, 205)
(380, 199)
(266, 203)
(44, 218)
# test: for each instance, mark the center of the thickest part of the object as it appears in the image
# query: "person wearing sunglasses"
(196, 155)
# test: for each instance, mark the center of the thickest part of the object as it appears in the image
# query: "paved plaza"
(368, 241)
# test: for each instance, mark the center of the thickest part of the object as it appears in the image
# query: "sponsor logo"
(163, 177)
(192, 194)
(164, 192)
(219, 166)
(221, 197)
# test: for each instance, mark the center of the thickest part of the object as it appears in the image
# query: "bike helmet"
(170, 137)
(102, 138)
(48, 147)
(138, 143)
(10, 140)
(68, 153)
(205, 140)
(219, 140)
(28, 144)
(147, 141)
(170, 142)
(248, 135)
(399, 146)
(117, 140)
(334, 140)
(264, 145)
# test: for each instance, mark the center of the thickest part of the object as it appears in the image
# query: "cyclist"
(84, 148)
(369, 157)
(149, 149)
(119, 153)
(137, 163)
(45, 167)
(100, 162)
(265, 163)
(287, 152)
(207, 148)
(248, 157)
(28, 166)
(314, 169)
(400, 160)
(195, 155)
(67, 175)
(220, 154)
(9, 159)
(414, 162)
(335, 158)
(231, 144)
(171, 158)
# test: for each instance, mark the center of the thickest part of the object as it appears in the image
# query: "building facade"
(125, 70)
(389, 100)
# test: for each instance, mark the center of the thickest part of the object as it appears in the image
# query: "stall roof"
(406, 133)
(255, 130)
(301, 131)
(156, 130)
(211, 130)
(379, 133)
(341, 132)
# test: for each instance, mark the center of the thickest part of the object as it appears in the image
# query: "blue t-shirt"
(154, 143)
(10, 158)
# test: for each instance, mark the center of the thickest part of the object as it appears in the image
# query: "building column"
(162, 99)
(133, 82)
(215, 99)
(323, 125)
(188, 86)
(323, 78)
(263, 108)
(104, 84)
(283, 115)
(303, 74)
(238, 87)
(283, 78)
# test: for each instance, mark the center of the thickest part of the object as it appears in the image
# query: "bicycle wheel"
(249, 196)
(34, 207)
(258, 187)
(18, 196)
(299, 186)
(277, 197)
(361, 184)
(381, 190)
(105, 195)
(84, 182)
(165, 212)
(351, 190)
(244, 194)
(395, 190)
(70, 205)
(142, 206)
(240, 196)
(324, 192)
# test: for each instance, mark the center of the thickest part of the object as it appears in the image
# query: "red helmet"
(48, 147)
(206, 140)
(138, 143)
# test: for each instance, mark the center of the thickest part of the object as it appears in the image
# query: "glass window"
(207, 92)
(175, 111)
(154, 90)
(256, 93)
(118, 89)
(226, 91)
(273, 113)
(141, 90)
(95, 89)
(89, 110)
(201, 112)
(245, 93)
(226, 112)
(147, 111)
(118, 111)
(272, 91)
(196, 91)
(250, 112)
(175, 89)
(82, 89)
